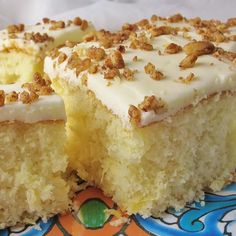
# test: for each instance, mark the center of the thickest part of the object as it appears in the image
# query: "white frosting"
(71, 32)
(46, 108)
(212, 75)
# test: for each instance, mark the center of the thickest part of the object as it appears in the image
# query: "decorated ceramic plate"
(98, 215)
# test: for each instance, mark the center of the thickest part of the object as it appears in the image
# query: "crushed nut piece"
(188, 79)
(111, 73)
(84, 25)
(46, 20)
(70, 44)
(154, 74)
(134, 114)
(11, 97)
(77, 21)
(189, 61)
(2, 98)
(57, 25)
(151, 103)
(154, 18)
(15, 28)
(97, 54)
(117, 59)
(53, 53)
(25, 97)
(93, 69)
(175, 18)
(162, 30)
(199, 48)
(37, 37)
(43, 91)
(128, 74)
(173, 48)
(73, 61)
(121, 49)
(62, 57)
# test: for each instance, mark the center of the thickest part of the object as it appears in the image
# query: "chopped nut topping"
(195, 21)
(188, 79)
(189, 61)
(154, 74)
(151, 103)
(231, 22)
(38, 79)
(175, 18)
(111, 73)
(2, 98)
(154, 18)
(117, 59)
(37, 37)
(121, 49)
(93, 69)
(232, 37)
(25, 97)
(11, 97)
(73, 61)
(128, 74)
(15, 28)
(106, 42)
(53, 53)
(222, 54)
(141, 45)
(83, 65)
(62, 57)
(97, 54)
(135, 114)
(130, 27)
(46, 20)
(84, 25)
(90, 37)
(199, 48)
(70, 44)
(162, 30)
(43, 91)
(77, 21)
(173, 48)
(57, 25)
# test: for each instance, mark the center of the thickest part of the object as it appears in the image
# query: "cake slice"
(33, 162)
(23, 48)
(151, 114)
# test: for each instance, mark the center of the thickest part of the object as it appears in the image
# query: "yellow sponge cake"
(32, 158)
(151, 112)
(23, 47)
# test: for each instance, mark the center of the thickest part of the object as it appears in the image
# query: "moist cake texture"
(33, 162)
(23, 47)
(151, 110)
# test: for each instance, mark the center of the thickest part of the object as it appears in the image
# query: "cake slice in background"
(151, 114)
(33, 162)
(23, 47)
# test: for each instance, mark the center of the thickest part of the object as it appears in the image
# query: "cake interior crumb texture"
(148, 169)
(18, 66)
(32, 171)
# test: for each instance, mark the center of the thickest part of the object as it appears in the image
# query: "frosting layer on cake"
(153, 73)
(45, 108)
